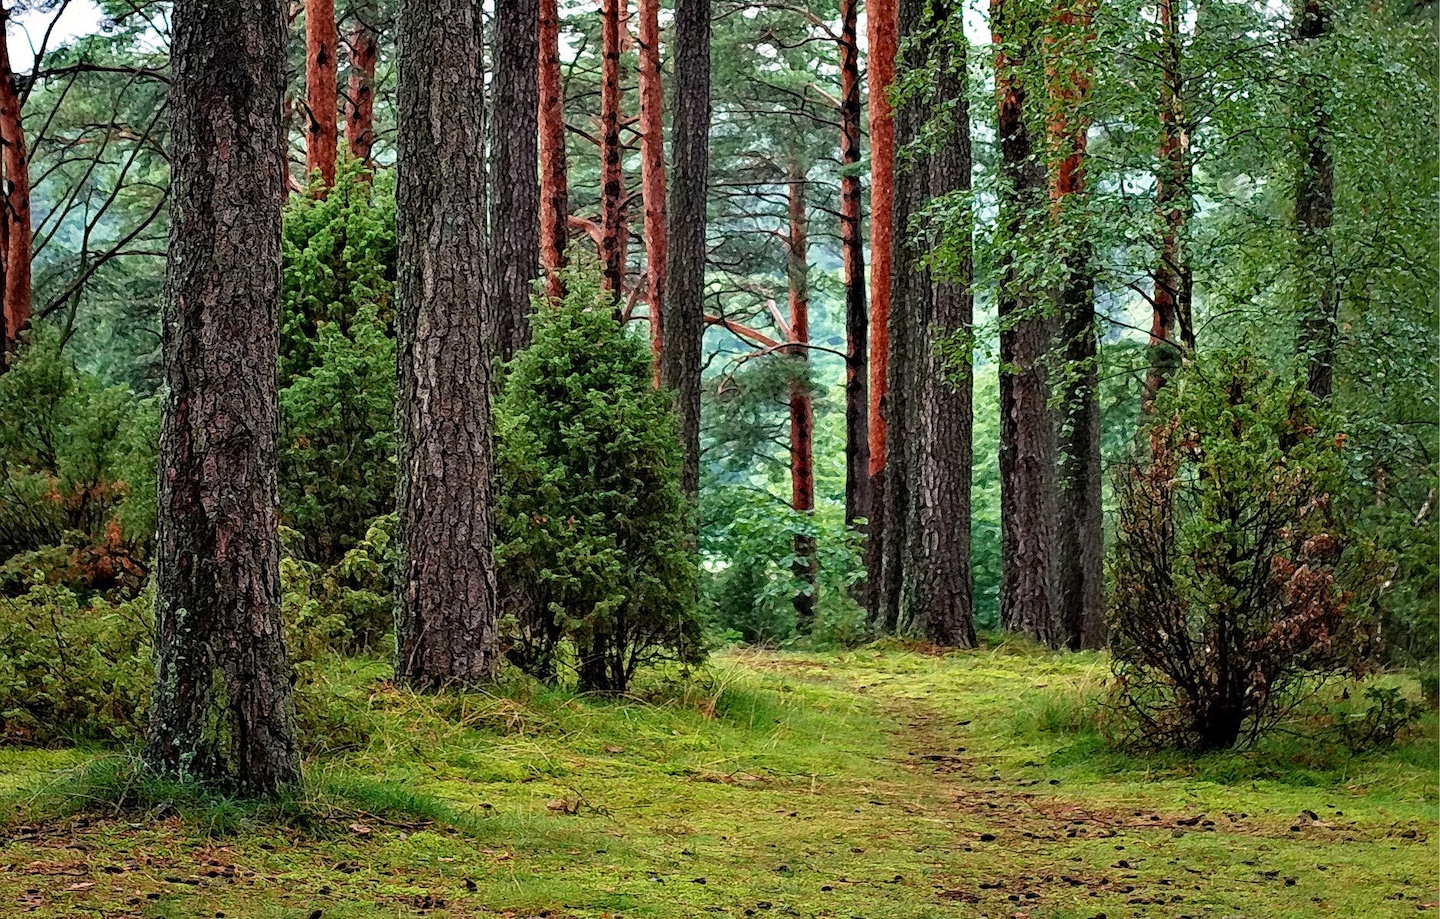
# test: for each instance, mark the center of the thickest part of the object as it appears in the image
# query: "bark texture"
(16, 229)
(1027, 437)
(222, 710)
(1172, 333)
(612, 175)
(1317, 296)
(514, 240)
(881, 25)
(554, 178)
(684, 305)
(446, 614)
(652, 172)
(802, 407)
(321, 89)
(360, 87)
(938, 599)
(852, 257)
(1079, 549)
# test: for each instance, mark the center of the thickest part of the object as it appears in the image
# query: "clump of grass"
(328, 802)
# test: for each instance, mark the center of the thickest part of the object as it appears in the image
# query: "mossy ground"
(874, 783)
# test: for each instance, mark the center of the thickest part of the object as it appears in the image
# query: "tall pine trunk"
(446, 614)
(612, 176)
(1172, 333)
(1317, 296)
(1079, 551)
(684, 305)
(938, 602)
(1027, 437)
(554, 177)
(360, 87)
(222, 710)
(881, 23)
(514, 237)
(321, 101)
(17, 232)
(908, 310)
(802, 408)
(652, 172)
(852, 258)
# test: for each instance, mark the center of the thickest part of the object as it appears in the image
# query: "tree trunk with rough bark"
(1079, 550)
(322, 43)
(1027, 437)
(554, 176)
(360, 89)
(881, 25)
(222, 710)
(684, 305)
(908, 311)
(802, 408)
(514, 237)
(446, 614)
(852, 256)
(17, 232)
(1317, 296)
(938, 602)
(652, 172)
(612, 175)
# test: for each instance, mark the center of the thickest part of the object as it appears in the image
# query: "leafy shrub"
(592, 528)
(751, 580)
(1388, 716)
(337, 365)
(1231, 572)
(71, 670)
(347, 608)
(77, 476)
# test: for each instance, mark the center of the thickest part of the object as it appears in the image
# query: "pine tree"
(222, 710)
(321, 101)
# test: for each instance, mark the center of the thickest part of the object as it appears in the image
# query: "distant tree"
(554, 175)
(15, 231)
(652, 172)
(1027, 436)
(322, 47)
(222, 710)
(852, 255)
(446, 616)
(1317, 294)
(514, 240)
(364, 43)
(613, 228)
(684, 321)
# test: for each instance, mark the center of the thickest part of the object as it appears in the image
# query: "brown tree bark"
(1317, 296)
(852, 256)
(360, 88)
(16, 162)
(514, 239)
(222, 710)
(446, 615)
(554, 177)
(652, 172)
(1171, 330)
(321, 89)
(1027, 437)
(612, 176)
(684, 304)
(938, 595)
(802, 407)
(881, 25)
(1079, 550)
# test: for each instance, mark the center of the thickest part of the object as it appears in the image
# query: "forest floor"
(874, 783)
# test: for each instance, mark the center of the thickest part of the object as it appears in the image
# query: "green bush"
(77, 476)
(592, 529)
(72, 671)
(347, 608)
(1235, 583)
(337, 365)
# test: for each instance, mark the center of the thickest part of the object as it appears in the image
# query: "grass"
(876, 783)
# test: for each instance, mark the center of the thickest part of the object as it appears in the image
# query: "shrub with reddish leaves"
(1236, 586)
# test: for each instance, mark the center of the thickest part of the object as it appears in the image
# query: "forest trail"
(880, 784)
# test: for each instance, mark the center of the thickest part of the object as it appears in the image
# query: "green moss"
(769, 777)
